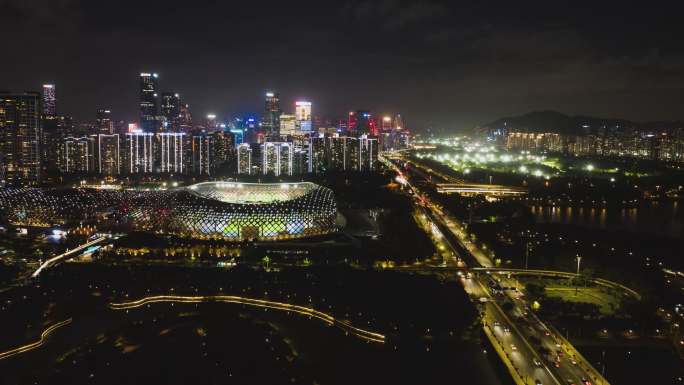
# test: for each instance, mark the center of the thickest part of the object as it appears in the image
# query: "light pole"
(579, 260)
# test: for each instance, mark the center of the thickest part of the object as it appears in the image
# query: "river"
(664, 218)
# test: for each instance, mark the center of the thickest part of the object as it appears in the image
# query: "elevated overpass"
(479, 189)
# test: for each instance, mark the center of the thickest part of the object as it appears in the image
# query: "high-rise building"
(104, 122)
(367, 153)
(20, 137)
(139, 152)
(398, 122)
(316, 154)
(244, 159)
(49, 100)
(277, 158)
(106, 154)
(171, 152)
(149, 102)
(211, 122)
(386, 123)
(271, 122)
(288, 124)
(363, 122)
(303, 116)
(202, 154)
(78, 155)
(171, 111)
(185, 118)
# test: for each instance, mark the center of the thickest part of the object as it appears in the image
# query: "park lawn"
(606, 302)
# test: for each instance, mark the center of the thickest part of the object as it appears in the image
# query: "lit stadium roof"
(210, 210)
(251, 193)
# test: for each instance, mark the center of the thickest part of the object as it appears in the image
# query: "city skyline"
(445, 65)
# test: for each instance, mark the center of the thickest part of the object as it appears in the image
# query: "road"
(66, 255)
(549, 362)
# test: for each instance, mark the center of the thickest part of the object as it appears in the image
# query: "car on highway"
(537, 382)
(507, 330)
(537, 362)
(513, 347)
(586, 382)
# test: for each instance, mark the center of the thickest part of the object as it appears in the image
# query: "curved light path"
(327, 318)
(43, 337)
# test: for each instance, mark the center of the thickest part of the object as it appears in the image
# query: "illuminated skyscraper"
(271, 122)
(363, 123)
(78, 155)
(398, 122)
(277, 158)
(303, 116)
(244, 159)
(386, 123)
(106, 154)
(185, 118)
(139, 152)
(171, 152)
(49, 100)
(104, 122)
(149, 102)
(171, 111)
(20, 136)
(288, 124)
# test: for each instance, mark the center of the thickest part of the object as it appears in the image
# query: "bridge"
(68, 254)
(479, 189)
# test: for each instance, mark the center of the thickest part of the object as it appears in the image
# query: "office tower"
(351, 122)
(244, 161)
(288, 124)
(340, 152)
(171, 152)
(20, 136)
(398, 122)
(139, 152)
(363, 123)
(107, 160)
(251, 130)
(202, 155)
(222, 151)
(171, 111)
(386, 123)
(367, 153)
(238, 136)
(149, 102)
(103, 122)
(316, 154)
(185, 118)
(78, 155)
(49, 100)
(303, 116)
(271, 122)
(55, 129)
(210, 124)
(277, 158)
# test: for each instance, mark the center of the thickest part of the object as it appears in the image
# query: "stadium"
(211, 210)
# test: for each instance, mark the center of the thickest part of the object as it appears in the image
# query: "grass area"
(607, 302)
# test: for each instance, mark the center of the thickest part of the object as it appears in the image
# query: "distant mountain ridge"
(553, 121)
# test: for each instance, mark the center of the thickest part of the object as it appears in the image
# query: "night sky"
(449, 65)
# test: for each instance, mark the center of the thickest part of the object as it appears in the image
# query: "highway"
(528, 364)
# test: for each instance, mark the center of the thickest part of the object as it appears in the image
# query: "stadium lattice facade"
(210, 210)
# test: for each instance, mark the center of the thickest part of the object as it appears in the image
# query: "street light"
(579, 260)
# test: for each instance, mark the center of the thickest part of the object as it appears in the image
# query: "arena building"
(211, 210)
